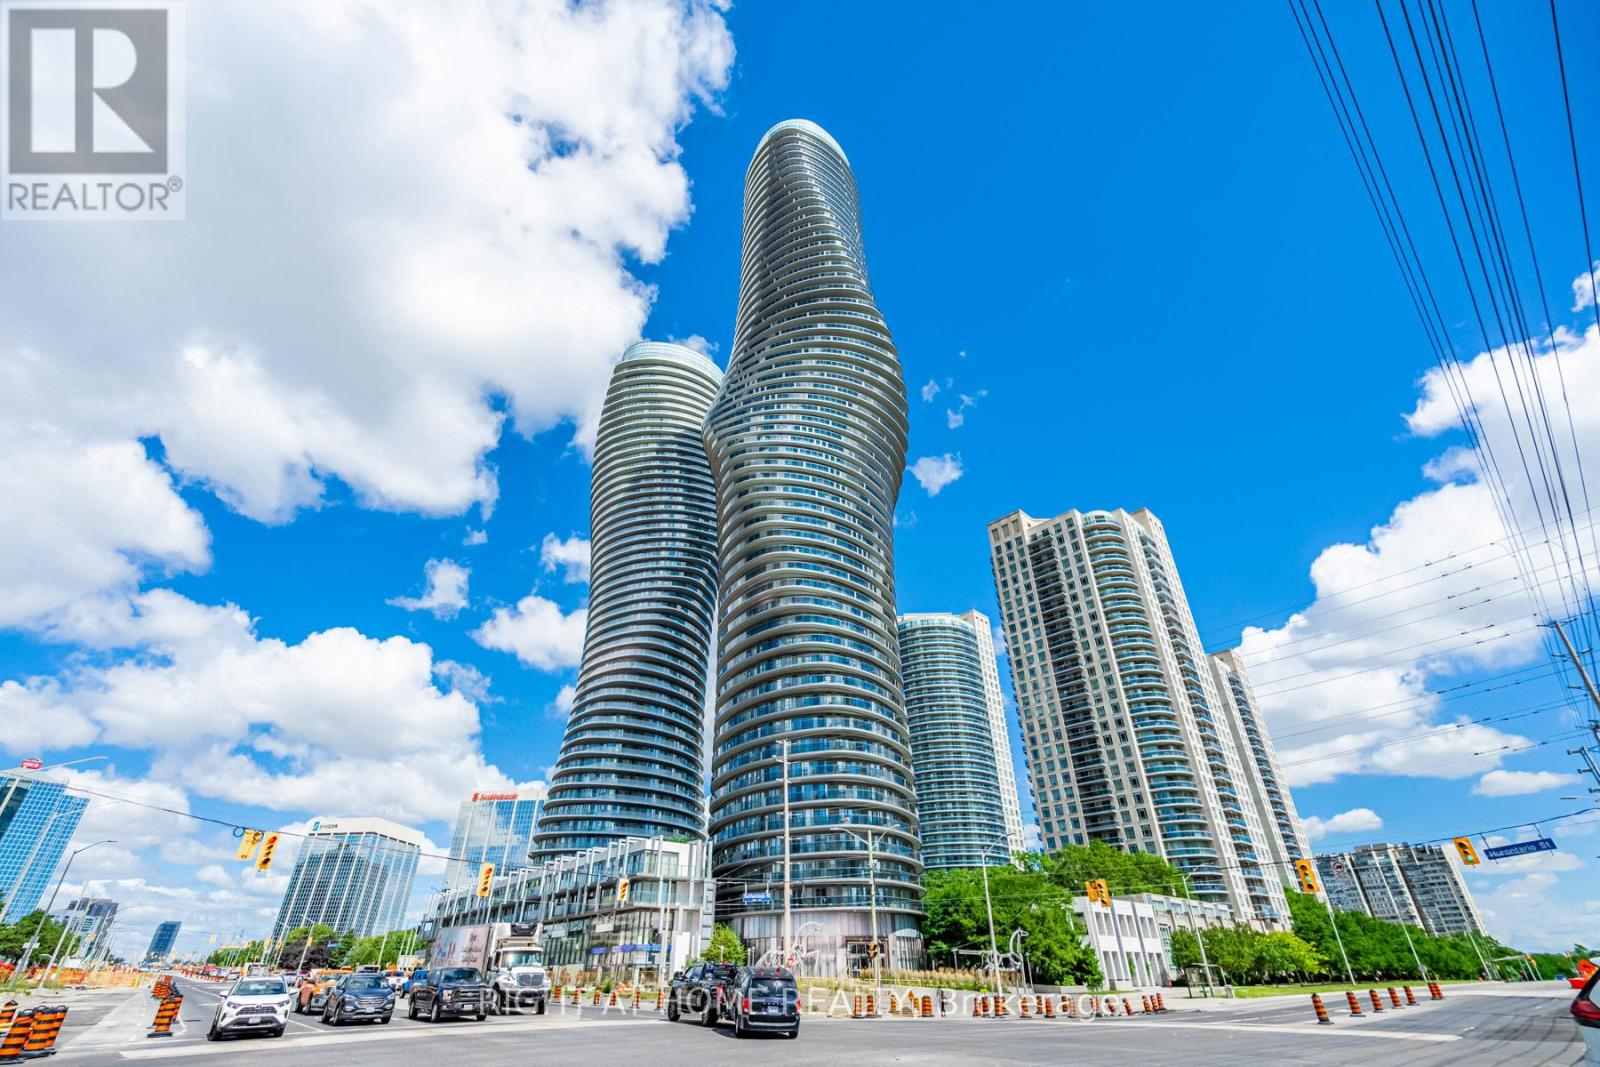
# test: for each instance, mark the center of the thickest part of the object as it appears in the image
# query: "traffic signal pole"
(1333, 922)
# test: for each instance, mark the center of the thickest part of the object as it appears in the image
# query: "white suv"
(252, 1005)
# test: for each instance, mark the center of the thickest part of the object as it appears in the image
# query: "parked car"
(416, 977)
(764, 1000)
(252, 1005)
(449, 991)
(356, 997)
(1586, 1010)
(396, 981)
(700, 991)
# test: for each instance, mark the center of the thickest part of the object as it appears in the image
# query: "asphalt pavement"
(1524, 1026)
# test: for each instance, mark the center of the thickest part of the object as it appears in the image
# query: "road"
(1521, 1026)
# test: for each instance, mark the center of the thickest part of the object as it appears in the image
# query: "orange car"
(313, 992)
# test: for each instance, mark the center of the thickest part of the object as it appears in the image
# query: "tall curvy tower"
(807, 442)
(632, 763)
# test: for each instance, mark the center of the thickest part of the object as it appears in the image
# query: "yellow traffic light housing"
(247, 845)
(1098, 892)
(1306, 871)
(1464, 849)
(485, 879)
(269, 845)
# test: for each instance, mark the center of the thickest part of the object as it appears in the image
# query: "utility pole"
(872, 882)
(788, 898)
(1588, 683)
(1199, 935)
(994, 947)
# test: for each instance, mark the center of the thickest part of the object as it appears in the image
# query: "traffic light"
(269, 845)
(247, 845)
(485, 879)
(622, 891)
(1306, 871)
(1099, 892)
(1464, 849)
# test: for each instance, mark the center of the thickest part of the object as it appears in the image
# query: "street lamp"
(872, 882)
(33, 942)
(988, 907)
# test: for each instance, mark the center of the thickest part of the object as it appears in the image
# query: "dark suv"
(764, 1000)
(701, 990)
(358, 996)
(449, 991)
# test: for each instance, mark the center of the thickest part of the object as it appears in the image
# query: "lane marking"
(1308, 1028)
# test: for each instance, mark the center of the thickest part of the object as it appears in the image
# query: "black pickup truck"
(450, 991)
(701, 990)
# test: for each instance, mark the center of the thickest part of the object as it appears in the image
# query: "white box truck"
(508, 954)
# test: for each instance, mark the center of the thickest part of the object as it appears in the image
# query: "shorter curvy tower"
(807, 442)
(632, 763)
(967, 805)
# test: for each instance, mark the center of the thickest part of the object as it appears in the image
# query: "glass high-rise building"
(1128, 740)
(37, 819)
(352, 874)
(807, 441)
(632, 763)
(492, 828)
(968, 810)
(162, 941)
(90, 919)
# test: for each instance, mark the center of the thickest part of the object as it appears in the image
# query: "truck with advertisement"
(508, 954)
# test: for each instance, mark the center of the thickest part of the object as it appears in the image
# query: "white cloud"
(930, 391)
(697, 343)
(465, 679)
(475, 537)
(1583, 290)
(471, 184)
(1429, 598)
(537, 632)
(933, 473)
(1030, 836)
(570, 556)
(955, 418)
(446, 591)
(81, 518)
(1518, 783)
(338, 720)
(1354, 821)
(559, 708)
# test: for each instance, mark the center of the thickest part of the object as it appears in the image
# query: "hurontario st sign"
(1520, 848)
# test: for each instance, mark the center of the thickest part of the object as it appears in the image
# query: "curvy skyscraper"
(632, 763)
(967, 805)
(807, 442)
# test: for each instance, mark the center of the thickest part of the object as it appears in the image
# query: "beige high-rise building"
(1128, 739)
(1285, 835)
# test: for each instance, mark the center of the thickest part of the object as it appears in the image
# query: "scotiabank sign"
(494, 796)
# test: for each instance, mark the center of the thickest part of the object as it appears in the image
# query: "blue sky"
(1136, 246)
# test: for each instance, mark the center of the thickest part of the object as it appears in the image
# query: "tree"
(1028, 899)
(14, 937)
(1185, 950)
(725, 946)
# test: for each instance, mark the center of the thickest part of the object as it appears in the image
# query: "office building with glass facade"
(90, 920)
(968, 811)
(632, 763)
(492, 828)
(37, 819)
(162, 942)
(807, 443)
(353, 875)
(1128, 741)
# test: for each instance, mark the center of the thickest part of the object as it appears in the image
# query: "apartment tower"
(968, 811)
(1284, 834)
(1418, 885)
(807, 442)
(1128, 741)
(632, 763)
